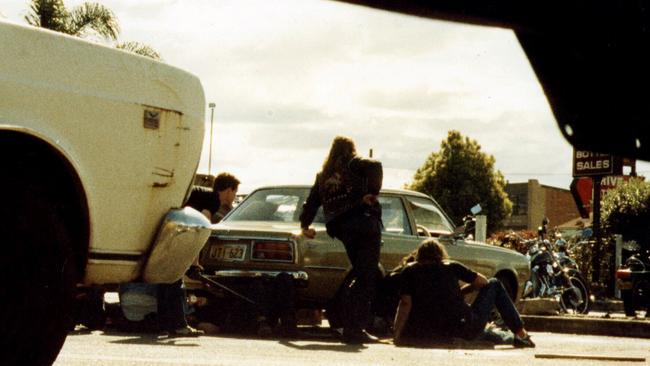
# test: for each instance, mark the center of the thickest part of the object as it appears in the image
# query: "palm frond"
(50, 14)
(140, 49)
(96, 17)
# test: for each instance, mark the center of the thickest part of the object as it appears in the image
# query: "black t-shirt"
(438, 307)
(203, 198)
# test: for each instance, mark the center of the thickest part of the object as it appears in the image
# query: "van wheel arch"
(34, 160)
(45, 246)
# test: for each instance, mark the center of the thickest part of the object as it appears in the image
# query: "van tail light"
(623, 274)
(272, 251)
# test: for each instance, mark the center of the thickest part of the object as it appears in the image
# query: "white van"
(98, 150)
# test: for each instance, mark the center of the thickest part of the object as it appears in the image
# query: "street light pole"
(211, 105)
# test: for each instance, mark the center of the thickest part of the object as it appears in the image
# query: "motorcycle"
(633, 280)
(554, 274)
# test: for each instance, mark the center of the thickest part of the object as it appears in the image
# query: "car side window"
(427, 214)
(394, 216)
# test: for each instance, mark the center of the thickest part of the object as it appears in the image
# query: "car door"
(398, 237)
(428, 217)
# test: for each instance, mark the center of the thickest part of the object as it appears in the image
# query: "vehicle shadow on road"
(338, 347)
(151, 339)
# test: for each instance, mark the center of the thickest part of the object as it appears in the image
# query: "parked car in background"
(98, 147)
(260, 238)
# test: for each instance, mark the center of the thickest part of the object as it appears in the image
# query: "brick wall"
(533, 201)
(560, 206)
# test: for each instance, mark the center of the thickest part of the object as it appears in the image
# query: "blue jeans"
(493, 295)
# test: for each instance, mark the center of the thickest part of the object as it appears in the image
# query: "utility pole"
(597, 249)
(211, 105)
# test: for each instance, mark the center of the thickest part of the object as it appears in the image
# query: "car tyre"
(37, 297)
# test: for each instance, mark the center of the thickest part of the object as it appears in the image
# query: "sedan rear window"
(283, 205)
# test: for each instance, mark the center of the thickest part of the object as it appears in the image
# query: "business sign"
(614, 181)
(582, 190)
(588, 163)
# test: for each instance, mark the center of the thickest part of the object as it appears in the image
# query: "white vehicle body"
(98, 151)
(130, 129)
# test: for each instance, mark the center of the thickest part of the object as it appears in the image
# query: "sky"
(287, 76)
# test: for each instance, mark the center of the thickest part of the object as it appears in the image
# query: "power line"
(561, 174)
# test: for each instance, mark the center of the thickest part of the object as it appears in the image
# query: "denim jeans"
(493, 295)
(360, 232)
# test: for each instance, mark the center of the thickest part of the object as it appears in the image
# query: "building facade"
(531, 202)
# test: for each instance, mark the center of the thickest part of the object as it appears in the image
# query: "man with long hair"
(432, 304)
(347, 187)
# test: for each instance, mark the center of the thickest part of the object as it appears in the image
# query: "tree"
(625, 210)
(459, 176)
(139, 48)
(53, 15)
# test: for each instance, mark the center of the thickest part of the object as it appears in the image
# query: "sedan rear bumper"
(301, 277)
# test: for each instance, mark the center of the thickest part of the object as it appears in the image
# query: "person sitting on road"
(432, 304)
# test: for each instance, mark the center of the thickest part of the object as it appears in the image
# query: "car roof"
(386, 190)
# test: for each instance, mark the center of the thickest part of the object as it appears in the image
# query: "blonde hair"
(341, 152)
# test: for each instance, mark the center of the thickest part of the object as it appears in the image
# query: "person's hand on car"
(309, 232)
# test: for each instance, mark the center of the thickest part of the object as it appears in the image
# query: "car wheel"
(508, 285)
(37, 296)
(495, 317)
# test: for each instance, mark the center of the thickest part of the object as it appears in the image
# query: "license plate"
(228, 252)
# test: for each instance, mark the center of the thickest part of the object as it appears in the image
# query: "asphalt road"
(319, 348)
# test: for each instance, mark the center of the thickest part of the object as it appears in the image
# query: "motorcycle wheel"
(572, 302)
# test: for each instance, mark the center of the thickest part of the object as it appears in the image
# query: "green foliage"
(83, 20)
(96, 17)
(53, 15)
(459, 176)
(515, 240)
(625, 210)
(50, 14)
(139, 48)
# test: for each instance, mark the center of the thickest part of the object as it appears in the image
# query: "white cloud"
(287, 76)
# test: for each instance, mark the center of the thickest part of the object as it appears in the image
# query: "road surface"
(317, 347)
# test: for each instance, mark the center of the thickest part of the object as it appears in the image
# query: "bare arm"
(207, 214)
(479, 282)
(402, 315)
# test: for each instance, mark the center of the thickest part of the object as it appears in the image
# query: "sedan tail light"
(272, 251)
